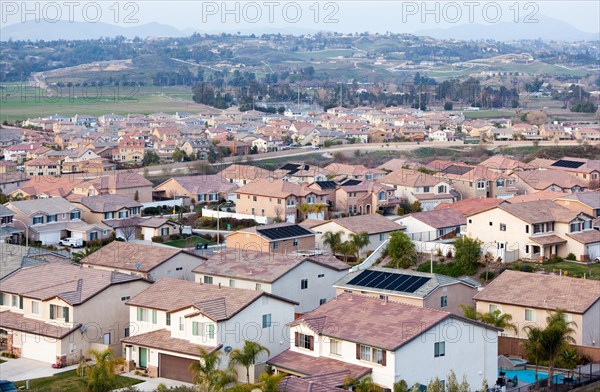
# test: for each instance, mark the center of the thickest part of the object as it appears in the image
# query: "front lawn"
(69, 381)
(569, 269)
(189, 242)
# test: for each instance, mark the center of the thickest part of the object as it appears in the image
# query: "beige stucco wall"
(252, 241)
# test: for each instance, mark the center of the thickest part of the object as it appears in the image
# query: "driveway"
(27, 369)
(150, 384)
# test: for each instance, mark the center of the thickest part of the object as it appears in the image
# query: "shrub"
(449, 254)
(571, 257)
(157, 238)
(553, 260)
(525, 268)
(467, 253)
(8, 355)
(174, 237)
(490, 275)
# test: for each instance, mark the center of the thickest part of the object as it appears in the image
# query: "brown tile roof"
(308, 365)
(410, 178)
(501, 162)
(471, 206)
(550, 239)
(541, 291)
(282, 231)
(370, 321)
(539, 211)
(396, 164)
(440, 218)
(277, 188)
(542, 179)
(245, 172)
(535, 196)
(108, 202)
(71, 283)
(260, 266)
(18, 322)
(215, 302)
(202, 184)
(369, 223)
(307, 384)
(591, 199)
(155, 222)
(351, 170)
(119, 180)
(132, 256)
(51, 186)
(161, 339)
(586, 237)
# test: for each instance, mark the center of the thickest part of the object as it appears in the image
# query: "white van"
(72, 242)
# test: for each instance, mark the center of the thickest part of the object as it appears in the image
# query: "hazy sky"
(343, 16)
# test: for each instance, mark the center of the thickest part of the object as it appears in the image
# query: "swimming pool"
(528, 376)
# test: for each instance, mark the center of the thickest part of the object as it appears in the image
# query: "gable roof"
(591, 199)
(502, 162)
(278, 188)
(279, 231)
(410, 178)
(542, 179)
(539, 211)
(71, 283)
(245, 172)
(202, 184)
(53, 205)
(438, 219)
(369, 223)
(261, 266)
(551, 291)
(108, 202)
(470, 206)
(216, 302)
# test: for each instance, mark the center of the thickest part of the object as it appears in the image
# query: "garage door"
(38, 348)
(175, 368)
(594, 251)
(52, 237)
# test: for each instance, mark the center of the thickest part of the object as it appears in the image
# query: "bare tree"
(128, 229)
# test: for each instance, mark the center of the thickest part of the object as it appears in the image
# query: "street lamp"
(218, 228)
(26, 231)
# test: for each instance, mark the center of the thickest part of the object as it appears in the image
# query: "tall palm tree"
(358, 242)
(319, 208)
(333, 240)
(207, 374)
(100, 376)
(346, 248)
(555, 338)
(305, 209)
(498, 319)
(270, 382)
(533, 347)
(247, 356)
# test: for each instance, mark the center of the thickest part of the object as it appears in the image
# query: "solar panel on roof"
(275, 233)
(568, 164)
(458, 170)
(326, 184)
(389, 281)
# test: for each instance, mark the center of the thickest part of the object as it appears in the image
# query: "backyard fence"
(513, 347)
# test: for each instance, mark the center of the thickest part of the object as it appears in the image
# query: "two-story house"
(480, 181)
(588, 202)
(96, 209)
(365, 197)
(123, 183)
(357, 336)
(241, 175)
(50, 220)
(355, 172)
(535, 230)
(530, 298)
(412, 185)
(549, 180)
(202, 189)
(175, 318)
(56, 312)
(152, 262)
(277, 237)
(306, 280)
(433, 225)
(8, 232)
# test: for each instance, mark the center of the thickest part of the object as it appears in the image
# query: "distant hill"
(546, 28)
(48, 31)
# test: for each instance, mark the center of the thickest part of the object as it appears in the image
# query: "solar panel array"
(351, 182)
(566, 163)
(326, 184)
(276, 233)
(389, 281)
(456, 169)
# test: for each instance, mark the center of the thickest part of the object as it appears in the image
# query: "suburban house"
(300, 172)
(278, 238)
(306, 280)
(582, 168)
(377, 227)
(357, 336)
(278, 199)
(197, 147)
(50, 220)
(553, 180)
(176, 318)
(355, 172)
(152, 262)
(433, 225)
(129, 150)
(366, 197)
(202, 188)
(43, 166)
(129, 184)
(511, 293)
(506, 165)
(97, 209)
(50, 312)
(587, 202)
(536, 230)
(421, 289)
(241, 175)
(480, 181)
(8, 232)
(412, 186)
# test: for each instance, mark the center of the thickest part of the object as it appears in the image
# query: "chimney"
(219, 284)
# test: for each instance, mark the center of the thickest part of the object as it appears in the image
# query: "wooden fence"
(512, 347)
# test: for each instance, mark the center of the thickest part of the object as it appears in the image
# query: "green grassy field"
(480, 114)
(69, 382)
(188, 242)
(570, 269)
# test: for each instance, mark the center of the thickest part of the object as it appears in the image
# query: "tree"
(101, 376)
(498, 319)
(346, 249)
(270, 382)
(333, 240)
(247, 356)
(416, 206)
(136, 196)
(400, 386)
(452, 382)
(469, 312)
(448, 105)
(150, 158)
(464, 385)
(533, 347)
(178, 155)
(365, 384)
(555, 338)
(207, 374)
(128, 229)
(468, 251)
(401, 250)
(359, 241)
(435, 385)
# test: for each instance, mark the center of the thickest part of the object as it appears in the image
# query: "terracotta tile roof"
(470, 206)
(51, 186)
(396, 164)
(71, 283)
(118, 180)
(18, 322)
(541, 291)
(586, 237)
(410, 178)
(308, 365)
(535, 196)
(542, 179)
(351, 170)
(162, 340)
(53, 205)
(216, 302)
(369, 223)
(370, 321)
(260, 266)
(539, 211)
(155, 222)
(132, 256)
(439, 218)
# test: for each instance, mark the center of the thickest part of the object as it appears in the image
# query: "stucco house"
(412, 185)
(202, 188)
(278, 238)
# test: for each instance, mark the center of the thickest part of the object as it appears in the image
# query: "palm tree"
(305, 209)
(247, 356)
(346, 248)
(533, 347)
(365, 384)
(207, 374)
(270, 382)
(333, 240)
(498, 319)
(100, 377)
(319, 208)
(555, 338)
(358, 242)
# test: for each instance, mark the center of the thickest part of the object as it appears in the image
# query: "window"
(75, 215)
(526, 228)
(500, 183)
(295, 242)
(181, 324)
(502, 227)
(168, 319)
(537, 228)
(491, 224)
(377, 356)
(470, 220)
(444, 301)
(109, 215)
(208, 279)
(195, 328)
(154, 316)
(237, 196)
(126, 298)
(439, 349)
(335, 347)
(123, 214)
(210, 331)
(303, 284)
(275, 244)
(481, 184)
(38, 220)
(529, 315)
(365, 353)
(52, 218)
(258, 287)
(126, 332)
(442, 189)
(253, 198)
(164, 231)
(14, 301)
(231, 283)
(279, 201)
(213, 197)
(381, 196)
(425, 189)
(266, 320)
(381, 237)
(35, 307)
(322, 301)
(493, 307)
